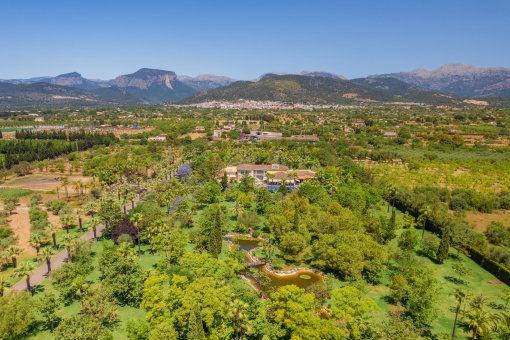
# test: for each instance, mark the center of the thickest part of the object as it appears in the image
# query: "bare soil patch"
(495, 282)
(43, 182)
(481, 220)
(20, 225)
(194, 135)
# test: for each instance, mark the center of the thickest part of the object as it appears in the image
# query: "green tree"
(46, 255)
(460, 295)
(16, 315)
(408, 240)
(137, 219)
(237, 312)
(430, 244)
(195, 326)
(48, 306)
(460, 269)
(505, 296)
(478, 319)
(12, 252)
(53, 229)
(69, 241)
(444, 246)
(4, 284)
(163, 331)
(24, 270)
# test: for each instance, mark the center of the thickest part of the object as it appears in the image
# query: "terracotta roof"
(261, 167)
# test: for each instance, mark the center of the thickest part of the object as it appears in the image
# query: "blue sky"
(243, 39)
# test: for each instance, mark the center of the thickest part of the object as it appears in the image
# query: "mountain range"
(147, 86)
(460, 79)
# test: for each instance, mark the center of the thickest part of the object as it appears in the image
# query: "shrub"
(124, 238)
(249, 218)
(124, 226)
(56, 205)
(256, 233)
(37, 214)
(457, 203)
(498, 234)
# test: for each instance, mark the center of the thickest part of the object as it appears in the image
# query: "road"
(57, 261)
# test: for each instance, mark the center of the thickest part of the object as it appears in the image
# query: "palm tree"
(478, 302)
(136, 219)
(293, 176)
(4, 284)
(25, 269)
(68, 241)
(391, 188)
(65, 183)
(459, 294)
(53, 229)
(236, 311)
(66, 220)
(91, 207)
(126, 252)
(504, 329)
(80, 213)
(270, 177)
(12, 252)
(236, 208)
(478, 318)
(36, 240)
(123, 202)
(131, 196)
(96, 221)
(425, 212)
(47, 254)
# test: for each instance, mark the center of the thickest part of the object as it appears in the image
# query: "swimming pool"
(276, 187)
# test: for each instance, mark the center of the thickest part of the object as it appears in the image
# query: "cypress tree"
(444, 246)
(195, 326)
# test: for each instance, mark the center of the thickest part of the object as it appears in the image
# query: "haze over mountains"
(147, 86)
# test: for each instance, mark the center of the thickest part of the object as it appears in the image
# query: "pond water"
(276, 279)
(244, 244)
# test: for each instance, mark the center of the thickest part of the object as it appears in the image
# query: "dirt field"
(194, 135)
(482, 220)
(42, 182)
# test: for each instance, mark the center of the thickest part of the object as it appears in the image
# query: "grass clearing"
(10, 192)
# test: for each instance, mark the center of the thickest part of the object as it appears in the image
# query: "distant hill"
(292, 88)
(73, 79)
(404, 90)
(206, 81)
(45, 94)
(459, 79)
(153, 85)
(302, 73)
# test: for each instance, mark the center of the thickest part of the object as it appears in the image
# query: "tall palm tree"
(131, 196)
(459, 294)
(136, 219)
(47, 254)
(96, 221)
(80, 213)
(24, 270)
(36, 240)
(4, 284)
(68, 241)
(65, 183)
(91, 207)
(123, 202)
(478, 318)
(12, 252)
(391, 188)
(53, 229)
(293, 176)
(66, 220)
(426, 211)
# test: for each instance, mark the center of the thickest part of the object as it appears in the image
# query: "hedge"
(493, 267)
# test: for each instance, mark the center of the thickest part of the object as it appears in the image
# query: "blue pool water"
(276, 187)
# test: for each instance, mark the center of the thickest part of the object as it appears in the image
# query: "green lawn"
(10, 192)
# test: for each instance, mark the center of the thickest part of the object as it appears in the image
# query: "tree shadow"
(455, 280)
(495, 305)
(37, 289)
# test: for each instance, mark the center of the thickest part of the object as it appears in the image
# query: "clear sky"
(243, 39)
